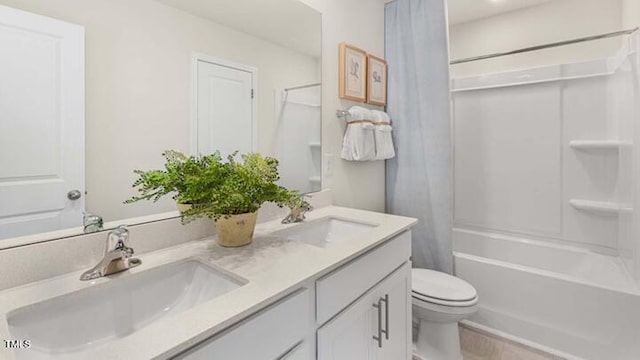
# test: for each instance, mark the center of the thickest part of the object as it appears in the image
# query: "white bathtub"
(561, 299)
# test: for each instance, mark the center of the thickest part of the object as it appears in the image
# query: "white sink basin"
(325, 232)
(65, 326)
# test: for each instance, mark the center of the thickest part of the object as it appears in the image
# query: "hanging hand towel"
(359, 138)
(383, 138)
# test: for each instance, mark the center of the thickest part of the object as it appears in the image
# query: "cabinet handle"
(385, 299)
(379, 337)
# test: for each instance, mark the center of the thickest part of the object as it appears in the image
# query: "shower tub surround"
(272, 275)
(546, 185)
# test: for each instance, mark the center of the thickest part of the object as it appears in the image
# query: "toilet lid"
(441, 286)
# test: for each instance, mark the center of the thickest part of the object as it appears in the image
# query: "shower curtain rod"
(546, 46)
(302, 87)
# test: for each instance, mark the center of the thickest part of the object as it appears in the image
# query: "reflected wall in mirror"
(151, 75)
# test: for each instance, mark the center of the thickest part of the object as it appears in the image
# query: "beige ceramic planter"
(236, 230)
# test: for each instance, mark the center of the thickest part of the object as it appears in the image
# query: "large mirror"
(92, 90)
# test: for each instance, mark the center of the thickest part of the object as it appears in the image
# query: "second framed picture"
(376, 81)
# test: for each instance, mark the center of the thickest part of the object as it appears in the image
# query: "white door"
(225, 108)
(41, 123)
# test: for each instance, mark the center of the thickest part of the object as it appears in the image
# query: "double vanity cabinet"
(361, 310)
(335, 287)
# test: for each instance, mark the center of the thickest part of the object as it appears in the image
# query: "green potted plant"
(228, 191)
(181, 177)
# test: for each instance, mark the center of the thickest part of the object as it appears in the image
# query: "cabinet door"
(352, 334)
(395, 293)
(349, 336)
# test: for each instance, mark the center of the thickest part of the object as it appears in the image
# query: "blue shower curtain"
(419, 178)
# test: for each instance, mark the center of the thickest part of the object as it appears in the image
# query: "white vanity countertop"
(273, 266)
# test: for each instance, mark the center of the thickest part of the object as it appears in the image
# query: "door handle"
(378, 338)
(385, 300)
(74, 195)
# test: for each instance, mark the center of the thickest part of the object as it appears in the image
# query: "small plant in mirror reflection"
(215, 187)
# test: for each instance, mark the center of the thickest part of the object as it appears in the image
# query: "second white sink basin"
(65, 326)
(326, 231)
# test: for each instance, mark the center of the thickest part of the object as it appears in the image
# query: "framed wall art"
(376, 81)
(352, 73)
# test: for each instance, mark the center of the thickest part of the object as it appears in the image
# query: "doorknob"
(74, 195)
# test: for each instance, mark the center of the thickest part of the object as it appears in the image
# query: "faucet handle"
(306, 204)
(118, 238)
(127, 252)
(303, 198)
(92, 222)
(298, 209)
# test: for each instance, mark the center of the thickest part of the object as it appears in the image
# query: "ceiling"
(288, 23)
(467, 10)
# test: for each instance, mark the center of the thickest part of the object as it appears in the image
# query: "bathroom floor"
(478, 345)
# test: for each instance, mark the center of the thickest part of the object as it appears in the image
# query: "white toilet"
(439, 302)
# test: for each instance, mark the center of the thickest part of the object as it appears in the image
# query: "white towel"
(359, 139)
(382, 134)
(359, 113)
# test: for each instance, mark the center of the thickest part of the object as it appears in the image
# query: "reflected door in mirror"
(225, 108)
(41, 124)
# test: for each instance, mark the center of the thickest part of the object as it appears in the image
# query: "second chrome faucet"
(298, 210)
(117, 256)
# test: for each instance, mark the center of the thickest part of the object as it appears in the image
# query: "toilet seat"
(444, 302)
(443, 289)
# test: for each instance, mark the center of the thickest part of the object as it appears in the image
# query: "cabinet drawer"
(338, 289)
(267, 335)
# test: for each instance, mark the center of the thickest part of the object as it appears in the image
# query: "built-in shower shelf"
(595, 144)
(314, 179)
(600, 207)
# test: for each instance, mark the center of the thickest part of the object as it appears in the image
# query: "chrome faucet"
(117, 256)
(298, 210)
(92, 223)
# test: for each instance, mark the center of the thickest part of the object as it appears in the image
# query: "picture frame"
(352, 73)
(376, 81)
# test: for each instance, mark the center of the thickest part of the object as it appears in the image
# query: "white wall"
(138, 57)
(630, 13)
(542, 24)
(361, 23)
